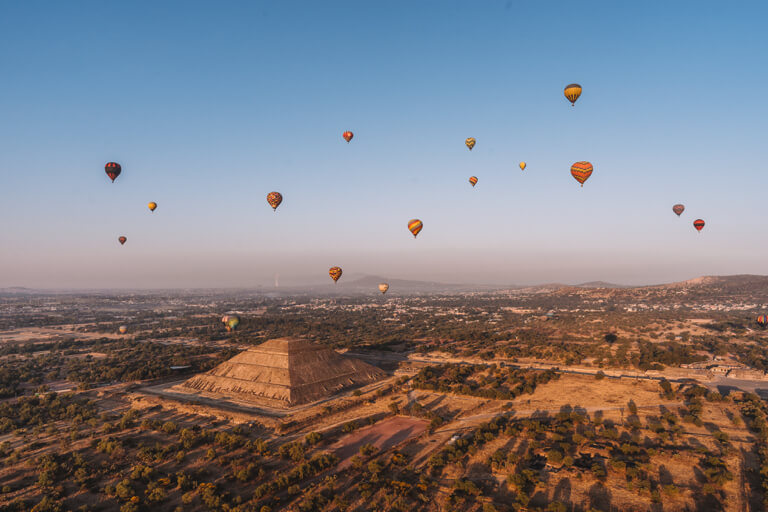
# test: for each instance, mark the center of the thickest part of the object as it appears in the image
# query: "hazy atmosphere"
(209, 109)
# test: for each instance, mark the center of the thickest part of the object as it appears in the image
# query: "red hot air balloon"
(122, 240)
(335, 273)
(581, 171)
(678, 209)
(698, 224)
(274, 199)
(347, 136)
(113, 170)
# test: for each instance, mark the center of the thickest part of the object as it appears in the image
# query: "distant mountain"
(601, 284)
(370, 284)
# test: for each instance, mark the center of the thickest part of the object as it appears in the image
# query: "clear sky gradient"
(209, 106)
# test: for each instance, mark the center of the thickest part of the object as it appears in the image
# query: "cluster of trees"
(38, 411)
(482, 381)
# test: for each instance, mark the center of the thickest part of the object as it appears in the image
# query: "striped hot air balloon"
(581, 171)
(415, 226)
(572, 92)
(470, 142)
(274, 199)
(473, 180)
(335, 273)
(678, 209)
(113, 170)
(698, 224)
(762, 320)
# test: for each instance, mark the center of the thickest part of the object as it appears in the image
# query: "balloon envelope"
(473, 180)
(383, 287)
(698, 224)
(122, 240)
(152, 206)
(113, 170)
(232, 322)
(274, 199)
(347, 136)
(581, 171)
(762, 320)
(572, 92)
(523, 165)
(470, 142)
(415, 226)
(335, 273)
(123, 329)
(678, 209)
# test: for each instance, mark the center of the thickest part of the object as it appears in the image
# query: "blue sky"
(209, 106)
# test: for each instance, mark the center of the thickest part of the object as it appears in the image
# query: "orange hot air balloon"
(383, 287)
(698, 224)
(415, 226)
(473, 180)
(678, 209)
(335, 273)
(123, 329)
(523, 165)
(470, 142)
(113, 170)
(581, 171)
(572, 92)
(152, 206)
(274, 199)
(347, 136)
(122, 240)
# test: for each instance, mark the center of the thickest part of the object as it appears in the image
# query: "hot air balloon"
(274, 199)
(347, 136)
(572, 92)
(335, 273)
(113, 170)
(523, 165)
(698, 224)
(678, 209)
(415, 226)
(470, 142)
(581, 171)
(123, 329)
(122, 240)
(762, 320)
(232, 322)
(152, 206)
(224, 319)
(383, 287)
(473, 180)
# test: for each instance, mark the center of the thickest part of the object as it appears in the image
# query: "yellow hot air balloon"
(123, 329)
(572, 92)
(470, 142)
(152, 206)
(383, 287)
(415, 226)
(473, 180)
(335, 273)
(523, 165)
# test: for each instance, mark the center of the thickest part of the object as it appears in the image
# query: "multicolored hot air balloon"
(470, 142)
(335, 273)
(523, 165)
(581, 171)
(347, 136)
(123, 329)
(113, 170)
(383, 287)
(698, 224)
(232, 322)
(122, 240)
(415, 226)
(224, 319)
(274, 199)
(678, 209)
(762, 320)
(473, 180)
(152, 206)
(572, 92)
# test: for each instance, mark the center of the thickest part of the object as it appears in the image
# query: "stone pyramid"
(283, 372)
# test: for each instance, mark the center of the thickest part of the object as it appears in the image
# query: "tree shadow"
(665, 476)
(599, 498)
